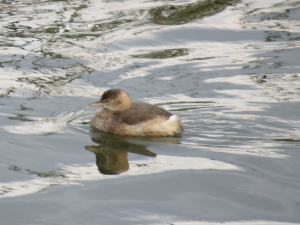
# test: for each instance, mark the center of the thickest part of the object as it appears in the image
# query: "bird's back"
(141, 112)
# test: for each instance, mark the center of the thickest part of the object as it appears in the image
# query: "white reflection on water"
(234, 223)
(75, 174)
(257, 148)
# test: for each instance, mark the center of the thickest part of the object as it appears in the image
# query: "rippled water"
(229, 69)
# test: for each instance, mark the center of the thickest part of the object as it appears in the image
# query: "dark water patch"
(108, 26)
(204, 58)
(15, 168)
(20, 117)
(85, 122)
(81, 6)
(49, 30)
(283, 87)
(279, 21)
(81, 35)
(287, 140)
(51, 174)
(184, 13)
(49, 82)
(8, 92)
(164, 54)
(76, 14)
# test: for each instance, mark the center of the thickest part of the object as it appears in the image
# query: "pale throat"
(109, 108)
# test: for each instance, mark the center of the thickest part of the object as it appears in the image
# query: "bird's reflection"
(111, 153)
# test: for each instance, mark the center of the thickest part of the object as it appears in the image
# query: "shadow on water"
(112, 150)
(111, 154)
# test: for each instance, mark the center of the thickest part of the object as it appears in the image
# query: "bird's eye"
(109, 100)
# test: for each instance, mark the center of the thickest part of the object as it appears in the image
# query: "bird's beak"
(92, 148)
(96, 104)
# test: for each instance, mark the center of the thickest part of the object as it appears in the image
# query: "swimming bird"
(123, 117)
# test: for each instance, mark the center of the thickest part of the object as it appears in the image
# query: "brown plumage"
(141, 112)
(121, 116)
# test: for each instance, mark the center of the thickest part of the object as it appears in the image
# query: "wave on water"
(51, 125)
(75, 174)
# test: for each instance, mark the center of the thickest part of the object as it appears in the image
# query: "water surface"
(229, 69)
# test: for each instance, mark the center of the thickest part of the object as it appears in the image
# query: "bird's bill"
(97, 104)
